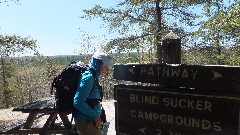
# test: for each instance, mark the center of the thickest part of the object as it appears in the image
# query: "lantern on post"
(171, 49)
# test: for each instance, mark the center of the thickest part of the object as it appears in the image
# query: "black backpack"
(66, 84)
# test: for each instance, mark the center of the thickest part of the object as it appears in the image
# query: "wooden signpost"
(209, 78)
(185, 100)
(189, 100)
(162, 111)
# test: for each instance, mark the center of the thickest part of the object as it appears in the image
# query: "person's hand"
(98, 122)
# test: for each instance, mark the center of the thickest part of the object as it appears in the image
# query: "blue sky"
(54, 24)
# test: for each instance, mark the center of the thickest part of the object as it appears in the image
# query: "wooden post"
(171, 49)
(30, 120)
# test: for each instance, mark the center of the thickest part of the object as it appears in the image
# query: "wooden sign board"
(214, 78)
(144, 110)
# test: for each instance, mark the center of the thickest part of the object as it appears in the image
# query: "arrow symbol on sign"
(216, 75)
(131, 70)
(142, 130)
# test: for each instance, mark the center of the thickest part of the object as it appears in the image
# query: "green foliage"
(141, 24)
(14, 44)
(31, 77)
(218, 37)
(10, 46)
(231, 20)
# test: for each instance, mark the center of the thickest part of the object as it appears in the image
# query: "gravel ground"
(110, 112)
(7, 117)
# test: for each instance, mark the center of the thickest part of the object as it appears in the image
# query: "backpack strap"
(96, 83)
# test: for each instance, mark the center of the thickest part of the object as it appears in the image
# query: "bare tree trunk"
(21, 94)
(219, 49)
(158, 32)
(5, 89)
(30, 96)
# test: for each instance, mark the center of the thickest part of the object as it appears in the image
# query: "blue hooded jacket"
(87, 90)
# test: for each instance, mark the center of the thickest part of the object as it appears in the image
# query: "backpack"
(66, 84)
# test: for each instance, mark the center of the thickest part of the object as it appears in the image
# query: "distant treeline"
(40, 61)
(28, 78)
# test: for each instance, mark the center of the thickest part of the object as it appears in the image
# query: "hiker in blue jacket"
(86, 100)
